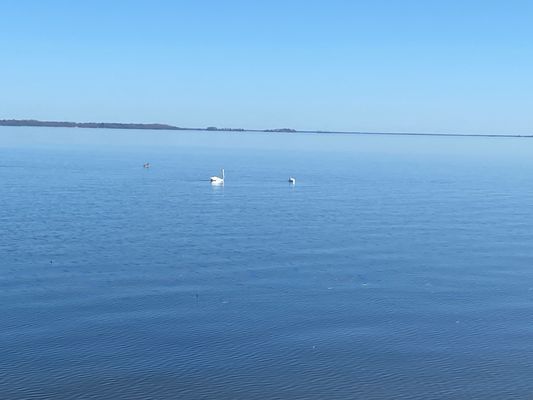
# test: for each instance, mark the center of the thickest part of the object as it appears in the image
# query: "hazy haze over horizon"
(410, 66)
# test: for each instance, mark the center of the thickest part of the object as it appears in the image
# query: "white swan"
(215, 180)
(292, 180)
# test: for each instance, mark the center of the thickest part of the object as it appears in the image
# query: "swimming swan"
(215, 180)
(292, 180)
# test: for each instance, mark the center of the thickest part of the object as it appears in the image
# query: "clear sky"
(375, 65)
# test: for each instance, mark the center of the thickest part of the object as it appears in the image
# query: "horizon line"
(160, 126)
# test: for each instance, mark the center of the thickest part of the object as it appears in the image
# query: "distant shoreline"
(166, 127)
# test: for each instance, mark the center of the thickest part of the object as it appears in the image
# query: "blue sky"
(399, 66)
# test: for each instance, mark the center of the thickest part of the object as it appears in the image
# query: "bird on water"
(216, 180)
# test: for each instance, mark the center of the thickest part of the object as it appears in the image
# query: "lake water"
(396, 267)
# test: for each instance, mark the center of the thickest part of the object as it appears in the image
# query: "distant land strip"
(155, 126)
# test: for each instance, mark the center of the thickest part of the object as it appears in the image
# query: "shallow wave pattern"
(395, 268)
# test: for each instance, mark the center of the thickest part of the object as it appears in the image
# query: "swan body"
(216, 180)
(292, 180)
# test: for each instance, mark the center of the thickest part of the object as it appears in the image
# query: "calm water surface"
(397, 267)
